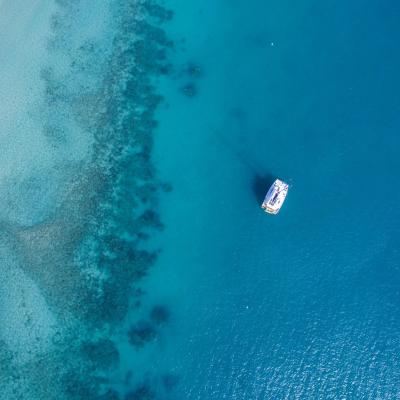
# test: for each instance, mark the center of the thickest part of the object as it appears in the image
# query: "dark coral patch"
(151, 219)
(102, 353)
(110, 395)
(156, 11)
(143, 392)
(141, 333)
(189, 90)
(166, 187)
(160, 314)
(193, 70)
(169, 381)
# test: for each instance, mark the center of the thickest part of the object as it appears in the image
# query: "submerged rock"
(143, 392)
(189, 90)
(111, 394)
(166, 187)
(170, 381)
(194, 71)
(160, 314)
(102, 353)
(141, 333)
(157, 11)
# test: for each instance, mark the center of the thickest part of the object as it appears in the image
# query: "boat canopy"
(275, 197)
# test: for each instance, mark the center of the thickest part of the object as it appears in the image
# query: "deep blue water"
(136, 261)
(303, 305)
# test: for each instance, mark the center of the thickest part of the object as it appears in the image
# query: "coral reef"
(102, 354)
(88, 257)
(109, 395)
(191, 73)
(160, 314)
(194, 71)
(189, 90)
(169, 381)
(141, 333)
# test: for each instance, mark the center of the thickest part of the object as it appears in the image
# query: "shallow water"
(138, 270)
(78, 190)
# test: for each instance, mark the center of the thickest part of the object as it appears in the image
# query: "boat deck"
(275, 197)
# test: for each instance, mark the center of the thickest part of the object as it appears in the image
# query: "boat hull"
(275, 197)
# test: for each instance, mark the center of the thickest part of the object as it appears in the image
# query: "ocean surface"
(137, 140)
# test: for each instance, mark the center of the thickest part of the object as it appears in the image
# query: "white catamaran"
(275, 197)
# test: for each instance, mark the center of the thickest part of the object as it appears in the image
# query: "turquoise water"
(303, 305)
(136, 262)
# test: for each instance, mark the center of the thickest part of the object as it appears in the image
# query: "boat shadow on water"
(261, 184)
